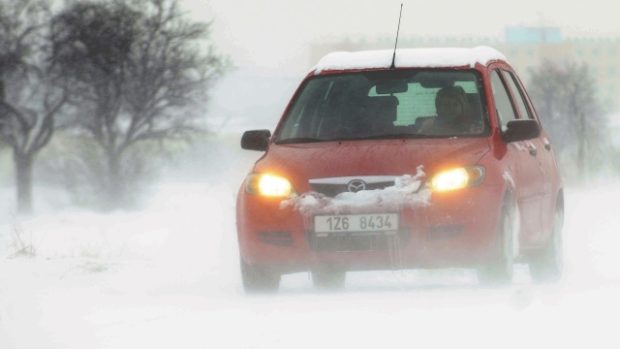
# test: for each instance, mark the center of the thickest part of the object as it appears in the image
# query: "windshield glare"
(387, 104)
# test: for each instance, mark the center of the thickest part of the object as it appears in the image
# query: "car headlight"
(457, 178)
(269, 185)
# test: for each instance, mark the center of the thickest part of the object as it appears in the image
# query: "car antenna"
(397, 31)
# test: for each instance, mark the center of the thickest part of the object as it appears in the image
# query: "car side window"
(504, 108)
(517, 92)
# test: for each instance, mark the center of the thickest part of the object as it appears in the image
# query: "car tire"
(546, 265)
(327, 278)
(258, 279)
(499, 272)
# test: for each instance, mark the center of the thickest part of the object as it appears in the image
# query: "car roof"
(443, 57)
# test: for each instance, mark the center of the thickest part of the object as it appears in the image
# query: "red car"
(431, 158)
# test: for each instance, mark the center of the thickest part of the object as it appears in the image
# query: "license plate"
(384, 222)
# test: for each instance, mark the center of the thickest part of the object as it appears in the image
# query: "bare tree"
(136, 68)
(31, 95)
(566, 96)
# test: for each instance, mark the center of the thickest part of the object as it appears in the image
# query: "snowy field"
(167, 277)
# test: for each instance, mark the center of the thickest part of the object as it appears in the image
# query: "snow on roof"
(409, 58)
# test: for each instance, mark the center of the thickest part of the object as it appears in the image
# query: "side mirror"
(255, 140)
(521, 130)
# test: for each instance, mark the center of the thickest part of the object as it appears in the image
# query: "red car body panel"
(456, 228)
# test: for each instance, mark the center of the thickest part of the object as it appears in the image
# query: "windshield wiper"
(394, 136)
(300, 140)
(381, 136)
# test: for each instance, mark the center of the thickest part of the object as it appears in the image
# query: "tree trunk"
(581, 148)
(23, 171)
(115, 182)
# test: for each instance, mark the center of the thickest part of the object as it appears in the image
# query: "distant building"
(533, 35)
(525, 48)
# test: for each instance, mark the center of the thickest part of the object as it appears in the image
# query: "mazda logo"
(356, 185)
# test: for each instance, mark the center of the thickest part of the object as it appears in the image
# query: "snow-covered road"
(167, 277)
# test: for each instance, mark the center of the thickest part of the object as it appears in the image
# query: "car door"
(527, 175)
(545, 159)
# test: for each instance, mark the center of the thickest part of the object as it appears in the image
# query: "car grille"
(333, 186)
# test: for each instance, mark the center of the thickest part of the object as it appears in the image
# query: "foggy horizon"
(274, 36)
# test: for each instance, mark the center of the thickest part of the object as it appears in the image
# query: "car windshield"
(387, 104)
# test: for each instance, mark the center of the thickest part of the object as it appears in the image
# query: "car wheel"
(546, 265)
(258, 279)
(499, 272)
(327, 278)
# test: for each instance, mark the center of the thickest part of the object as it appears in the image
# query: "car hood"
(301, 162)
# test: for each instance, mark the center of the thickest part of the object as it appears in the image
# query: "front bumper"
(455, 229)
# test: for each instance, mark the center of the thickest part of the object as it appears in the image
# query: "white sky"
(269, 35)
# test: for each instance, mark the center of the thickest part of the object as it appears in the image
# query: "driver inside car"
(454, 114)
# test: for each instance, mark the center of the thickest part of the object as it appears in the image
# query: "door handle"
(533, 150)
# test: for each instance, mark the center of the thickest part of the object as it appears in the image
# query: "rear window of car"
(387, 104)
